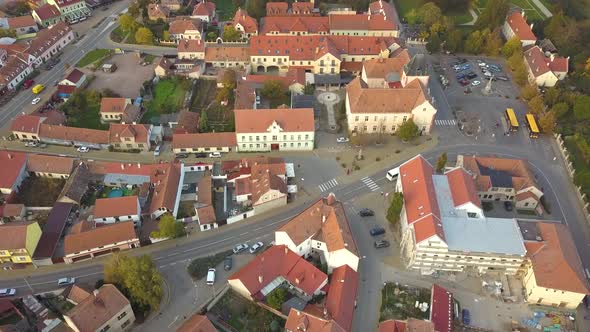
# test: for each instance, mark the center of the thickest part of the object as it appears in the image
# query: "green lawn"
(94, 56)
(225, 9)
(118, 35)
(581, 167)
(404, 7)
(532, 12)
(168, 98)
(461, 18)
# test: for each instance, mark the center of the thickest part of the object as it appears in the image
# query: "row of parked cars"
(465, 72)
(62, 282)
(198, 155)
(228, 261)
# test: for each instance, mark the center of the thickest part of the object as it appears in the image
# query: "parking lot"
(127, 80)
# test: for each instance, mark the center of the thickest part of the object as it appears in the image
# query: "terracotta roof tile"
(181, 25)
(363, 22)
(13, 67)
(286, 24)
(74, 76)
(245, 95)
(21, 22)
(14, 235)
(116, 206)
(74, 134)
(113, 105)
(77, 294)
(303, 321)
(118, 132)
(97, 309)
(540, 64)
(197, 323)
(49, 164)
(279, 261)
(47, 38)
(520, 27)
(462, 187)
(26, 124)
(166, 182)
(205, 8)
(262, 180)
(101, 236)
(12, 210)
(12, 164)
(204, 140)
(188, 122)
(441, 309)
(191, 46)
(385, 100)
(259, 120)
(247, 22)
(557, 265)
(227, 53)
(301, 8)
(47, 11)
(342, 296)
(392, 325)
(381, 67)
(276, 8)
(157, 11)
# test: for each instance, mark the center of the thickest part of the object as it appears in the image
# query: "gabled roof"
(188, 122)
(441, 309)
(47, 11)
(157, 11)
(181, 25)
(191, 46)
(303, 321)
(205, 8)
(53, 230)
(556, 264)
(362, 22)
(520, 27)
(12, 164)
(197, 323)
(13, 67)
(302, 7)
(116, 207)
(259, 120)
(166, 182)
(382, 67)
(14, 235)
(342, 296)
(98, 308)
(239, 53)
(26, 123)
(74, 134)
(41, 163)
(21, 22)
(47, 38)
(384, 100)
(247, 22)
(101, 236)
(118, 132)
(499, 172)
(113, 104)
(279, 261)
(285, 24)
(262, 180)
(277, 8)
(204, 140)
(540, 64)
(324, 221)
(74, 76)
(462, 187)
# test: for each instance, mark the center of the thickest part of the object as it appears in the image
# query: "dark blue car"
(460, 76)
(466, 317)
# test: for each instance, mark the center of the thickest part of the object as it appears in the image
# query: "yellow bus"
(511, 119)
(532, 126)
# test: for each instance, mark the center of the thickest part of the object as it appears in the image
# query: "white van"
(392, 174)
(211, 277)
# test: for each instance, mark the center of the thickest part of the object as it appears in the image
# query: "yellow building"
(554, 276)
(18, 241)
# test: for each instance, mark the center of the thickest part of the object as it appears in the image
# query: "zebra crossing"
(328, 185)
(445, 122)
(370, 183)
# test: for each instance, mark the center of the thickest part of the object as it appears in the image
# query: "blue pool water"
(116, 193)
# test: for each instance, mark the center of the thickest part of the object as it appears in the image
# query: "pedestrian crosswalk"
(328, 185)
(445, 122)
(370, 183)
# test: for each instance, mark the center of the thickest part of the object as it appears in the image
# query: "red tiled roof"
(520, 27)
(116, 207)
(197, 323)
(557, 264)
(363, 22)
(12, 210)
(74, 76)
(276, 8)
(245, 95)
(385, 8)
(392, 325)
(263, 180)
(166, 184)
(441, 309)
(294, 75)
(518, 169)
(98, 308)
(204, 140)
(462, 187)
(12, 164)
(259, 120)
(49, 164)
(109, 234)
(52, 117)
(279, 261)
(47, 38)
(540, 64)
(384, 100)
(74, 134)
(227, 53)
(342, 296)
(66, 89)
(300, 8)
(381, 67)
(188, 122)
(21, 22)
(181, 25)
(191, 46)
(286, 24)
(247, 22)
(14, 235)
(304, 321)
(113, 105)
(118, 132)
(26, 124)
(205, 8)
(47, 11)
(157, 11)
(13, 67)
(420, 201)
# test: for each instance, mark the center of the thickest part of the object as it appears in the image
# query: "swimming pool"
(116, 193)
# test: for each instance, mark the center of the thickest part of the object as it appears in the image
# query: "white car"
(36, 101)
(240, 247)
(157, 151)
(487, 74)
(342, 139)
(482, 64)
(475, 83)
(214, 155)
(256, 246)
(7, 292)
(210, 276)
(32, 144)
(66, 281)
(83, 149)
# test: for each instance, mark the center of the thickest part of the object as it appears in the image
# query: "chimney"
(122, 166)
(95, 292)
(552, 57)
(260, 278)
(532, 26)
(323, 218)
(9, 156)
(326, 313)
(286, 250)
(369, 16)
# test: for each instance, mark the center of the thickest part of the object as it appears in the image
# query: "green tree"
(521, 75)
(474, 42)
(272, 89)
(229, 79)
(512, 46)
(144, 36)
(493, 15)
(536, 105)
(309, 89)
(256, 8)
(211, 35)
(529, 92)
(582, 108)
(454, 41)
(441, 162)
(547, 122)
(7, 33)
(276, 298)
(429, 14)
(560, 110)
(562, 30)
(203, 123)
(493, 43)
(433, 44)
(395, 207)
(408, 130)
(133, 10)
(412, 17)
(552, 96)
(168, 227)
(137, 277)
(166, 35)
(128, 23)
(231, 34)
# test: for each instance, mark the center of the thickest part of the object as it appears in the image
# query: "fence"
(572, 171)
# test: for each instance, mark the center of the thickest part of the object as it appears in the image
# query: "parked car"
(157, 150)
(83, 149)
(7, 292)
(502, 78)
(215, 155)
(475, 83)
(35, 101)
(377, 231)
(466, 315)
(28, 84)
(366, 213)
(210, 276)
(228, 263)
(240, 247)
(66, 281)
(460, 76)
(201, 155)
(464, 82)
(508, 206)
(482, 64)
(487, 74)
(257, 99)
(471, 75)
(32, 144)
(342, 139)
(381, 244)
(181, 155)
(256, 246)
(462, 60)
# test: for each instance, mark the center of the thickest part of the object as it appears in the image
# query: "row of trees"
(142, 34)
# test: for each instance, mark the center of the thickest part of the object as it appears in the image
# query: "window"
(122, 315)
(127, 322)
(374, 128)
(106, 328)
(306, 136)
(366, 118)
(356, 118)
(257, 138)
(472, 215)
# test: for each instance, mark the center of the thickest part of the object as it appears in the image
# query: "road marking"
(370, 183)
(328, 185)
(174, 321)
(444, 122)
(245, 233)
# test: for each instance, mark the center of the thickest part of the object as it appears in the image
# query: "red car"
(28, 84)
(464, 82)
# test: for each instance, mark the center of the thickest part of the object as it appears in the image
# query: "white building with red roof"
(117, 209)
(47, 15)
(516, 26)
(72, 10)
(22, 25)
(545, 70)
(278, 266)
(245, 23)
(14, 171)
(205, 11)
(25, 127)
(14, 71)
(444, 228)
(186, 28)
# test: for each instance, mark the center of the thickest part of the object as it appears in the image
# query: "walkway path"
(542, 8)
(474, 15)
(330, 99)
